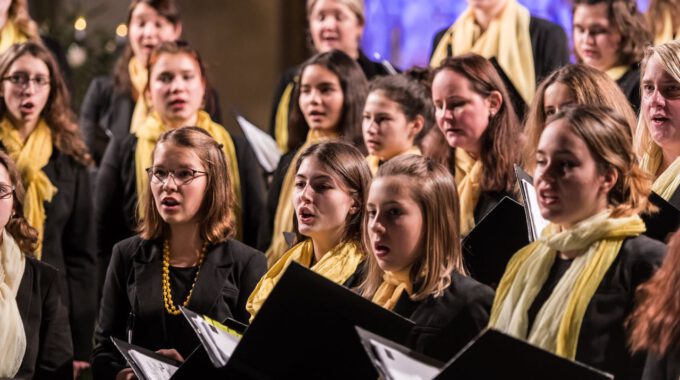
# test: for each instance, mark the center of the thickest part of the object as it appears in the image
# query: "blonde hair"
(668, 55)
(432, 187)
(587, 85)
(356, 6)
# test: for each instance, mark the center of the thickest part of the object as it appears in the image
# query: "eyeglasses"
(180, 176)
(22, 79)
(6, 191)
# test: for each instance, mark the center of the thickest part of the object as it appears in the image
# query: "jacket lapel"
(148, 295)
(212, 278)
(25, 293)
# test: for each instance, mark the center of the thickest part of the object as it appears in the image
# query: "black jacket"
(49, 351)
(665, 367)
(602, 341)
(69, 245)
(630, 85)
(444, 325)
(266, 227)
(116, 195)
(229, 273)
(106, 113)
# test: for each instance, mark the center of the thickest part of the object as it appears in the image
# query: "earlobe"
(495, 100)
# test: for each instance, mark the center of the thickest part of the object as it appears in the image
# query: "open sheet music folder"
(492, 355)
(146, 364)
(305, 330)
(535, 220)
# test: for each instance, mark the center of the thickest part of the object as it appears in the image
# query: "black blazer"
(444, 325)
(116, 195)
(228, 275)
(106, 113)
(665, 367)
(49, 351)
(266, 227)
(69, 245)
(630, 85)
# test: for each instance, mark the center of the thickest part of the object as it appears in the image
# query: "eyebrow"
(318, 177)
(561, 151)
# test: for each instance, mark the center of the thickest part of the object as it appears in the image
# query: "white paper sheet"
(152, 368)
(399, 366)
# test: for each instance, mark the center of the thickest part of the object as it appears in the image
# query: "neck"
(174, 124)
(483, 17)
(25, 128)
(324, 244)
(185, 245)
(668, 156)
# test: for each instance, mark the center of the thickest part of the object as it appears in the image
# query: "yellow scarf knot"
(10, 35)
(468, 177)
(393, 285)
(667, 183)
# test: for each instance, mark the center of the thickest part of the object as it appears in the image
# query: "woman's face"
(25, 90)
(321, 98)
(147, 29)
(569, 185)
(333, 25)
(596, 40)
(6, 197)
(322, 202)
(395, 223)
(556, 96)
(387, 132)
(661, 105)
(176, 88)
(462, 114)
(178, 183)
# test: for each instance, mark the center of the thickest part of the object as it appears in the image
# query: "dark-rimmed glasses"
(180, 176)
(23, 79)
(6, 191)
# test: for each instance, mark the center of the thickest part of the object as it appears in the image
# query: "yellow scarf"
(10, 35)
(666, 184)
(138, 76)
(283, 221)
(468, 175)
(337, 265)
(281, 118)
(31, 157)
(393, 285)
(375, 161)
(666, 33)
(147, 136)
(559, 320)
(12, 334)
(506, 38)
(616, 72)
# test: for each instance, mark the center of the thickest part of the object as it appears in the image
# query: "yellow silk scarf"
(616, 72)
(558, 323)
(281, 118)
(138, 76)
(10, 35)
(393, 285)
(31, 157)
(468, 175)
(148, 134)
(666, 33)
(374, 161)
(283, 221)
(506, 38)
(667, 183)
(12, 333)
(337, 265)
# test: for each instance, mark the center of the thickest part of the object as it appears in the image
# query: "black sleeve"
(109, 218)
(655, 368)
(252, 190)
(550, 47)
(56, 351)
(95, 104)
(113, 314)
(266, 228)
(253, 271)
(80, 262)
(285, 79)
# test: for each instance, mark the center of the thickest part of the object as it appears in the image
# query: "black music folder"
(663, 223)
(146, 364)
(492, 355)
(304, 330)
(494, 240)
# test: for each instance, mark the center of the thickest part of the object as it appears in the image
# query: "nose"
(149, 31)
(657, 99)
(375, 225)
(329, 22)
(371, 126)
(177, 84)
(306, 194)
(170, 183)
(546, 173)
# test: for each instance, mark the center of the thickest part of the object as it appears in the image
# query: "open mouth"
(380, 250)
(178, 103)
(169, 202)
(547, 197)
(659, 119)
(27, 107)
(305, 216)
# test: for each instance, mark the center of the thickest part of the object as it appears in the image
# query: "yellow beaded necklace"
(167, 292)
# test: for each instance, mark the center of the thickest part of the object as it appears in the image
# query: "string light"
(121, 30)
(80, 24)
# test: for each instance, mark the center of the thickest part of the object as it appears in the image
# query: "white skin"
(556, 96)
(321, 98)
(176, 89)
(660, 108)
(486, 10)
(333, 25)
(596, 42)
(25, 103)
(147, 29)
(395, 223)
(4, 11)
(322, 205)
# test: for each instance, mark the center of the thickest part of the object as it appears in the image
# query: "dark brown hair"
(17, 226)
(625, 18)
(215, 216)
(500, 142)
(57, 112)
(354, 89)
(347, 163)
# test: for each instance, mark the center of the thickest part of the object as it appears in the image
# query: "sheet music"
(398, 366)
(217, 341)
(265, 147)
(538, 223)
(152, 368)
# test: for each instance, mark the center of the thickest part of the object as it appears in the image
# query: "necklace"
(167, 291)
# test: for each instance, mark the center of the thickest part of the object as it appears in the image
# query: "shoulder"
(132, 248)
(468, 290)
(643, 248)
(631, 77)
(241, 252)
(46, 272)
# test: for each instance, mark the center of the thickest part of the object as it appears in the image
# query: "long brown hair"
(17, 226)
(587, 85)
(500, 142)
(432, 187)
(354, 89)
(215, 216)
(655, 14)
(57, 112)
(655, 323)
